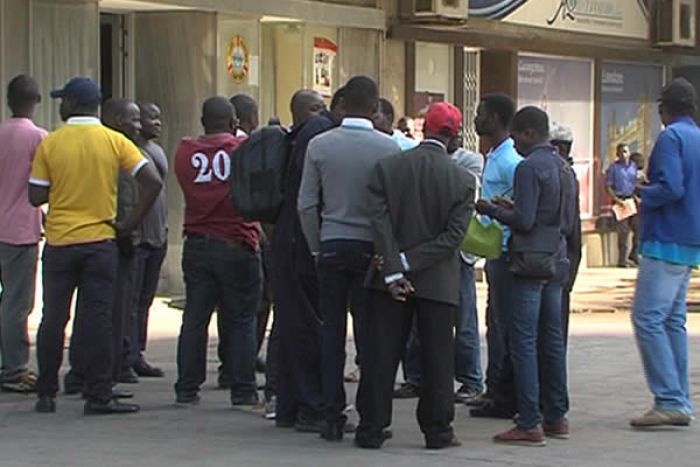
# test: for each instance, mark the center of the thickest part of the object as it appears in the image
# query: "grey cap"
(560, 133)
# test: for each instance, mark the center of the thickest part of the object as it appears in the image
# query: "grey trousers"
(18, 280)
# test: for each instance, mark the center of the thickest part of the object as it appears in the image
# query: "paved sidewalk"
(606, 382)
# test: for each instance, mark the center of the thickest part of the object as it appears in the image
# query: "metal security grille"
(471, 98)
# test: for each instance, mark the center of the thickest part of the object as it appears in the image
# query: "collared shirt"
(20, 222)
(80, 163)
(337, 170)
(499, 175)
(404, 142)
(622, 178)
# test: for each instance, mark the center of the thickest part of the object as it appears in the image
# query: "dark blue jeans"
(342, 268)
(467, 346)
(89, 268)
(149, 260)
(500, 381)
(537, 351)
(227, 274)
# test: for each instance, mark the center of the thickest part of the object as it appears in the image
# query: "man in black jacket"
(540, 219)
(294, 280)
(421, 209)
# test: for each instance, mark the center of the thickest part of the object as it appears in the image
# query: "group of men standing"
(371, 221)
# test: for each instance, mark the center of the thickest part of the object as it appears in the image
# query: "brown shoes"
(534, 437)
(656, 417)
(557, 430)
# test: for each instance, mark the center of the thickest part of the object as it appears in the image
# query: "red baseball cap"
(443, 116)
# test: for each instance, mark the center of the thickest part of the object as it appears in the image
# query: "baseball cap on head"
(82, 90)
(679, 91)
(443, 117)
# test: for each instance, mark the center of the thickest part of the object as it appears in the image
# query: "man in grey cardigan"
(337, 170)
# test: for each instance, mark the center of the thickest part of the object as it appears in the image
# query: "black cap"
(679, 91)
(81, 90)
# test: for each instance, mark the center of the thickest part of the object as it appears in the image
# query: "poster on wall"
(564, 89)
(628, 108)
(238, 59)
(325, 51)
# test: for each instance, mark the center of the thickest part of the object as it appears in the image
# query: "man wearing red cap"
(421, 208)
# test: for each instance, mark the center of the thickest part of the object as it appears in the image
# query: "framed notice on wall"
(325, 51)
(564, 89)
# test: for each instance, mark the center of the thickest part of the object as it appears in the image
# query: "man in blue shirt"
(492, 122)
(670, 250)
(621, 181)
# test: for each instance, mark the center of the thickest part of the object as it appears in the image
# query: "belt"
(228, 242)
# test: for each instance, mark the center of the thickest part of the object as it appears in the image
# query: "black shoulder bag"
(528, 258)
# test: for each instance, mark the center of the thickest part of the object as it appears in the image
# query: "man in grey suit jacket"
(421, 208)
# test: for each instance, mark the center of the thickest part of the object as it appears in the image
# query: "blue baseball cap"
(81, 90)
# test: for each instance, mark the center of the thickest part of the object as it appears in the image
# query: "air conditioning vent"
(435, 9)
(675, 23)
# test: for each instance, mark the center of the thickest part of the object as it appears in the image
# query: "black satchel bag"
(534, 262)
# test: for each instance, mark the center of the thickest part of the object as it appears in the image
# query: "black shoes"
(364, 441)
(145, 370)
(252, 401)
(335, 431)
(119, 394)
(109, 408)
(127, 377)
(406, 391)
(45, 404)
(467, 394)
(189, 401)
(492, 411)
(442, 443)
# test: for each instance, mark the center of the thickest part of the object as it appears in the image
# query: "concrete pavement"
(607, 387)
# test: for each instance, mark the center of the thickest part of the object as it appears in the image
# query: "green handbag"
(484, 239)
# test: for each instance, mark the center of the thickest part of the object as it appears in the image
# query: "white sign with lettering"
(627, 18)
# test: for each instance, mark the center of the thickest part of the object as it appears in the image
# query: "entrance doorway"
(113, 55)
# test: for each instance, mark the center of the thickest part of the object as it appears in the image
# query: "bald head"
(122, 115)
(306, 104)
(218, 116)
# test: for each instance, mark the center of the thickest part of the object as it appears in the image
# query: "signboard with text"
(627, 18)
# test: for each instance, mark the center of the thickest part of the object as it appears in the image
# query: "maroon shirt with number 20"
(203, 167)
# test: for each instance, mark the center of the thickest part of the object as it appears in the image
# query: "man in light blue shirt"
(384, 121)
(492, 122)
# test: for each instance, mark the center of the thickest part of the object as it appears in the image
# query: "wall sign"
(238, 59)
(628, 18)
(325, 51)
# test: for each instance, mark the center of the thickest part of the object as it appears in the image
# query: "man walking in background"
(621, 182)
(20, 232)
(670, 251)
(334, 171)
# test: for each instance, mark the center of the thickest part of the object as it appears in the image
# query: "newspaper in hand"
(624, 210)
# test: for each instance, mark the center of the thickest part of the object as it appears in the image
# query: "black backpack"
(258, 174)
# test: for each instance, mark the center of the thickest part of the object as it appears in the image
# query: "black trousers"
(342, 268)
(388, 324)
(299, 393)
(89, 268)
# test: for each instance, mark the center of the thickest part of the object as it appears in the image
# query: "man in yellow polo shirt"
(75, 170)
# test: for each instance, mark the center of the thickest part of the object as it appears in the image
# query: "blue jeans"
(342, 268)
(467, 346)
(537, 351)
(227, 274)
(659, 318)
